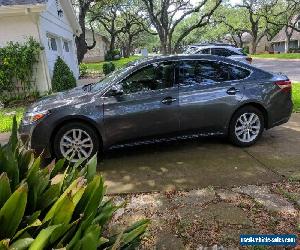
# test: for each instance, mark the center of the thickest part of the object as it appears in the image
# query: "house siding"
(12, 28)
(59, 28)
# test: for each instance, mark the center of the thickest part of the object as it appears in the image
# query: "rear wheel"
(75, 141)
(246, 126)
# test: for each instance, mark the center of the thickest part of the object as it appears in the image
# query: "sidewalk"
(210, 217)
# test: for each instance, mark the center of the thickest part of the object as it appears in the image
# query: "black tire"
(75, 125)
(234, 121)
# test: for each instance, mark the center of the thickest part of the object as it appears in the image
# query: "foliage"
(17, 63)
(111, 55)
(51, 208)
(296, 96)
(63, 77)
(108, 68)
(6, 115)
(83, 69)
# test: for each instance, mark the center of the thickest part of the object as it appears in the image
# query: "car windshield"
(111, 77)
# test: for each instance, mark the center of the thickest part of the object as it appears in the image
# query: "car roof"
(147, 60)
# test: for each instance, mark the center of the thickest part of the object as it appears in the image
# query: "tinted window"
(221, 52)
(204, 51)
(152, 77)
(205, 72)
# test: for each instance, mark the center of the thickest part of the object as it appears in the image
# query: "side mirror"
(115, 91)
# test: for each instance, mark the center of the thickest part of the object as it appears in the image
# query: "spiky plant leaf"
(21, 244)
(43, 237)
(12, 212)
(5, 191)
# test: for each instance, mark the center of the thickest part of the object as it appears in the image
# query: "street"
(289, 67)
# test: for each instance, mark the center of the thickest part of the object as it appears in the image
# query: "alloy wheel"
(76, 144)
(247, 127)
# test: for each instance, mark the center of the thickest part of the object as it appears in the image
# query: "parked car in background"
(159, 97)
(219, 49)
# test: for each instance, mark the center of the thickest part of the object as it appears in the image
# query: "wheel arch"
(81, 119)
(257, 105)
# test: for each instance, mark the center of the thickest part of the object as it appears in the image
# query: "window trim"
(64, 48)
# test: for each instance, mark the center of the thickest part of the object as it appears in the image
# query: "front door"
(209, 92)
(144, 104)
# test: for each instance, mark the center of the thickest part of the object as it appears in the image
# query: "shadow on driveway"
(200, 163)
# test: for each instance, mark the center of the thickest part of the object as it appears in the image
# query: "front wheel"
(246, 126)
(75, 141)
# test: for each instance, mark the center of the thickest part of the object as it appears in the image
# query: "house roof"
(21, 2)
(281, 36)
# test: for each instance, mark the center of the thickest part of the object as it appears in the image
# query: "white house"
(51, 22)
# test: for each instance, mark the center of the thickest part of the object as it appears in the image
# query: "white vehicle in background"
(219, 49)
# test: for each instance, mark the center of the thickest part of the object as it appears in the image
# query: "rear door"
(209, 92)
(146, 105)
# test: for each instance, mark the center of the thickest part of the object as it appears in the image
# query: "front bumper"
(26, 134)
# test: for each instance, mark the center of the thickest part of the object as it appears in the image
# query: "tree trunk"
(80, 40)
(254, 45)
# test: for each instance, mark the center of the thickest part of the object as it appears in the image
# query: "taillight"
(285, 85)
(249, 59)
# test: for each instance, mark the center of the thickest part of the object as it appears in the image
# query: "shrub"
(112, 55)
(17, 61)
(108, 68)
(83, 69)
(55, 208)
(63, 78)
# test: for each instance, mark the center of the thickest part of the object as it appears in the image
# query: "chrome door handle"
(168, 100)
(232, 91)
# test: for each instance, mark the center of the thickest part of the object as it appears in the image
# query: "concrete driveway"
(197, 163)
(206, 162)
(288, 67)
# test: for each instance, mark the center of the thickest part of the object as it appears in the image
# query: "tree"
(166, 15)
(287, 17)
(258, 27)
(83, 7)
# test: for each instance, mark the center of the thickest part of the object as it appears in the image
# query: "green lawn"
(296, 96)
(97, 67)
(6, 116)
(278, 56)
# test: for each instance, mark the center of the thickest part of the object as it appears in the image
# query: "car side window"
(221, 52)
(204, 51)
(202, 72)
(149, 78)
(237, 73)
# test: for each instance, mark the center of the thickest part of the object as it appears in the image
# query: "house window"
(52, 44)
(298, 24)
(66, 46)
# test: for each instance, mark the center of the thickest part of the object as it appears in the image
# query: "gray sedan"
(159, 97)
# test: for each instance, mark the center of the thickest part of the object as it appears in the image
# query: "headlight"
(34, 116)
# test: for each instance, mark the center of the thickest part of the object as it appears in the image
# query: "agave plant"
(57, 206)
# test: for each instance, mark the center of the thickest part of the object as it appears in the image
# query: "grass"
(97, 67)
(278, 56)
(296, 96)
(6, 116)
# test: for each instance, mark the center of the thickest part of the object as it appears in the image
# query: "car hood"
(70, 97)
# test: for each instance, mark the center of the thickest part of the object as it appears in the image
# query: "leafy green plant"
(108, 68)
(63, 78)
(83, 69)
(55, 207)
(112, 55)
(17, 62)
